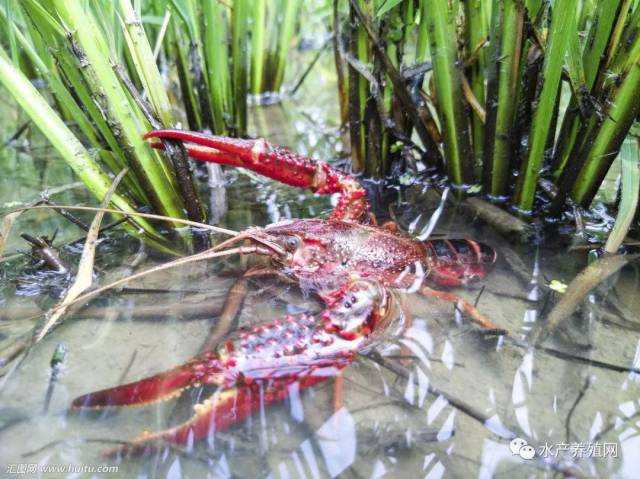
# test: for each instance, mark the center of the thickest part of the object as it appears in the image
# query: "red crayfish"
(348, 261)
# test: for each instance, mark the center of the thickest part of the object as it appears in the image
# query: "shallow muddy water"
(437, 397)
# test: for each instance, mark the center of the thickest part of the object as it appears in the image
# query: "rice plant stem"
(440, 18)
(625, 108)
(62, 139)
(476, 36)
(258, 45)
(563, 14)
(338, 56)
(216, 53)
(503, 83)
(188, 90)
(432, 152)
(176, 153)
(239, 42)
(604, 16)
(149, 167)
(144, 61)
(287, 29)
(603, 134)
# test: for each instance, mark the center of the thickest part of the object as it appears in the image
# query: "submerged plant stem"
(151, 216)
(582, 284)
(84, 275)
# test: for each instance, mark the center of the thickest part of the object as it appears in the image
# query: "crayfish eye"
(292, 243)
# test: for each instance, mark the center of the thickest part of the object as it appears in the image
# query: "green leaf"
(182, 12)
(473, 189)
(630, 158)
(385, 6)
(558, 286)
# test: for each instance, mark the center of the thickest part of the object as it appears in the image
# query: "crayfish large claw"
(276, 163)
(255, 368)
(161, 387)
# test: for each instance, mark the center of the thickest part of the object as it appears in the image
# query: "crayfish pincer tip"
(150, 134)
(164, 133)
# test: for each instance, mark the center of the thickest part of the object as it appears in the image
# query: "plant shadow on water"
(439, 398)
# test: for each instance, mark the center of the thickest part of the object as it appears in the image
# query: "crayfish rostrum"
(348, 261)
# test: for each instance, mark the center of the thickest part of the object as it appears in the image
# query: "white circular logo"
(521, 448)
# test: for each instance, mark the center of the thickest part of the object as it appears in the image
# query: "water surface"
(443, 399)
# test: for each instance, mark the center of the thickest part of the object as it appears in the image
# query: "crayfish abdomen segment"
(455, 262)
